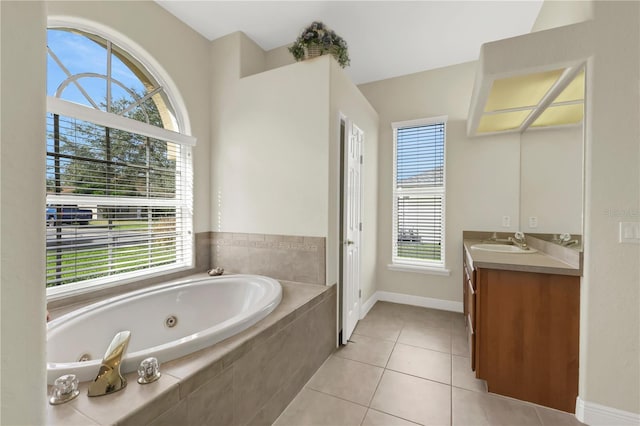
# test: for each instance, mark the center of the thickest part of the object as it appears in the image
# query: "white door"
(351, 231)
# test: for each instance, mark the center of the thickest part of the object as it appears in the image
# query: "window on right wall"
(419, 195)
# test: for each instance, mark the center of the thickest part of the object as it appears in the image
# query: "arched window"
(119, 180)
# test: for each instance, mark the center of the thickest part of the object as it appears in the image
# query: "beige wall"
(278, 57)
(556, 13)
(610, 293)
(482, 174)
(610, 318)
(184, 56)
(275, 156)
(269, 170)
(551, 178)
(22, 197)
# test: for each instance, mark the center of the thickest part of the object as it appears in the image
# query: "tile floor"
(407, 365)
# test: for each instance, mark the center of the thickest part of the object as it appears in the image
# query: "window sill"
(418, 269)
(107, 287)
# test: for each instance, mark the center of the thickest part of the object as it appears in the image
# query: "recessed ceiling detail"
(557, 115)
(520, 91)
(549, 98)
(519, 79)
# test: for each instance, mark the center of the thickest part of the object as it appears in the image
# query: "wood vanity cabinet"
(523, 330)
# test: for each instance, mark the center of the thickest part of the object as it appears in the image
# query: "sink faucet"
(109, 379)
(520, 240)
(565, 240)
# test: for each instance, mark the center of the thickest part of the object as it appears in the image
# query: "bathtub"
(166, 321)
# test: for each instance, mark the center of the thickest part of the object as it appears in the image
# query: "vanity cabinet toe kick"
(523, 332)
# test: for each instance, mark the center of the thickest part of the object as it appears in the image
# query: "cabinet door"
(527, 336)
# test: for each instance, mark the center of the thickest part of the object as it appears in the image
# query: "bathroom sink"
(502, 248)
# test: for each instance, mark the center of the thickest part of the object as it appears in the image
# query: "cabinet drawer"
(471, 337)
(470, 294)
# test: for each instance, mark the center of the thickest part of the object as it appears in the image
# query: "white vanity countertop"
(527, 262)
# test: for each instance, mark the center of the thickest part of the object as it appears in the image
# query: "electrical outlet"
(506, 221)
(630, 232)
(533, 222)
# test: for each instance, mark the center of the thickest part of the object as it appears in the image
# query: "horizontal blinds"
(118, 202)
(419, 227)
(420, 156)
(419, 194)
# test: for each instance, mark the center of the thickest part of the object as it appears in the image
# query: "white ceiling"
(386, 38)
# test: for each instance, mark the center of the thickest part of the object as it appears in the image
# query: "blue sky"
(80, 55)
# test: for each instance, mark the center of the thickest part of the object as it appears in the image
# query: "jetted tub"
(166, 321)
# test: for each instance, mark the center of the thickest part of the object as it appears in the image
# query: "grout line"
(365, 416)
(426, 349)
(451, 388)
(338, 397)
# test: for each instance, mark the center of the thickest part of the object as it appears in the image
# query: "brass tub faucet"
(109, 379)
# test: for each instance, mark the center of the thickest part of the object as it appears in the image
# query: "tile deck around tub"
(204, 387)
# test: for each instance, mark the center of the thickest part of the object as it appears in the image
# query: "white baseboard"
(600, 415)
(366, 306)
(407, 299)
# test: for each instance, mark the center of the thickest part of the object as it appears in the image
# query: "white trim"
(596, 414)
(409, 299)
(420, 122)
(441, 191)
(398, 267)
(85, 287)
(116, 201)
(114, 121)
(366, 306)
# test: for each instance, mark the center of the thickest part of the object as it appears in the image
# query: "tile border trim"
(409, 299)
(595, 414)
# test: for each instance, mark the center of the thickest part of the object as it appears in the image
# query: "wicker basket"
(312, 51)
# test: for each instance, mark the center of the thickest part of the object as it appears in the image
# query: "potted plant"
(317, 39)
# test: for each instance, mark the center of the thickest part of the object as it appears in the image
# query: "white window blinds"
(118, 202)
(419, 192)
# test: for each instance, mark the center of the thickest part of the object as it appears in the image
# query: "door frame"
(344, 129)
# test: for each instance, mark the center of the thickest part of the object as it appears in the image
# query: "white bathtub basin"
(502, 248)
(207, 310)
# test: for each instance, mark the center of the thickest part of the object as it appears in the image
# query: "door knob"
(348, 242)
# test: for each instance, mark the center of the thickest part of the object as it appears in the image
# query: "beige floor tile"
(463, 377)
(312, 408)
(427, 338)
(474, 408)
(429, 321)
(380, 328)
(460, 345)
(366, 349)
(550, 417)
(347, 379)
(377, 418)
(388, 311)
(458, 325)
(418, 400)
(425, 363)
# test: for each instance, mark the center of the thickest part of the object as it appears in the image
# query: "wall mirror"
(552, 166)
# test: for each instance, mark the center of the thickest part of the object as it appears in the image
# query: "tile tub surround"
(246, 379)
(283, 257)
(408, 365)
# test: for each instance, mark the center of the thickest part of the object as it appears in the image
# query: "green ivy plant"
(318, 34)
